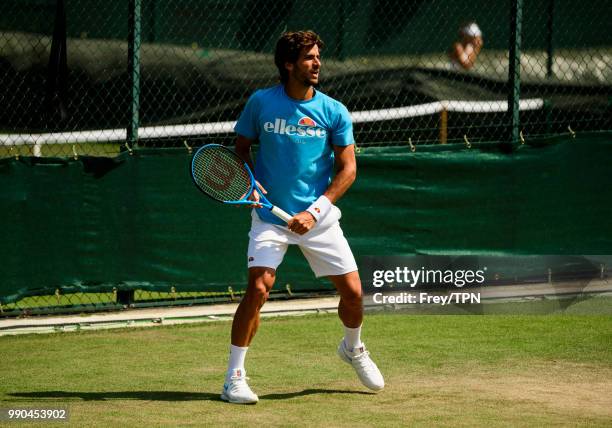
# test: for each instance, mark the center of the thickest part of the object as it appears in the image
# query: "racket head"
(221, 174)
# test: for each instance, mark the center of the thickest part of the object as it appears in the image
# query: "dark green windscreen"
(138, 221)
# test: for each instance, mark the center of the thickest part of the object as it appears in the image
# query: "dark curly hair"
(289, 46)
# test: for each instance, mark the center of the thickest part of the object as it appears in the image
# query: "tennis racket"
(221, 174)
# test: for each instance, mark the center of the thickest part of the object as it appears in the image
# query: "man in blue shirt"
(303, 134)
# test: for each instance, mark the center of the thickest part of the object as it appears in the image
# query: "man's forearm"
(342, 181)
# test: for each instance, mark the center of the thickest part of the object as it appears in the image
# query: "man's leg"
(246, 319)
(244, 327)
(351, 349)
(350, 308)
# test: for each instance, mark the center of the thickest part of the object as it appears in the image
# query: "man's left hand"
(301, 223)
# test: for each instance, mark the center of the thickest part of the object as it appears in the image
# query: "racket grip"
(281, 214)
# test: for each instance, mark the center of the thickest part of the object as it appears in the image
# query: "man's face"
(475, 41)
(306, 68)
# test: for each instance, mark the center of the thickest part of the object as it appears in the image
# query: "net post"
(134, 34)
(548, 118)
(443, 126)
(514, 72)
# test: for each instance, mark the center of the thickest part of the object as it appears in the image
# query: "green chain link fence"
(62, 302)
(89, 76)
(94, 77)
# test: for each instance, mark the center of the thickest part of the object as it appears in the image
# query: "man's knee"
(352, 297)
(259, 292)
(261, 281)
(349, 288)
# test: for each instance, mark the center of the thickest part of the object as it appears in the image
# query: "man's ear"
(289, 66)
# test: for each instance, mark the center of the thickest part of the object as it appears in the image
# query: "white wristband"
(320, 208)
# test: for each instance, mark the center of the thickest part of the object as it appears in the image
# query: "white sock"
(236, 359)
(352, 337)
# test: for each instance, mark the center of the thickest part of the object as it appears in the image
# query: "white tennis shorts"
(324, 246)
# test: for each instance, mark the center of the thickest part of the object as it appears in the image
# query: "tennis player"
(302, 135)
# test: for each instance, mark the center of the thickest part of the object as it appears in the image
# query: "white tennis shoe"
(237, 390)
(367, 371)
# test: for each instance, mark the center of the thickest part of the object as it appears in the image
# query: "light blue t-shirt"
(295, 158)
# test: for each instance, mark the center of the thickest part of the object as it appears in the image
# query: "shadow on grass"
(162, 395)
(285, 396)
(119, 395)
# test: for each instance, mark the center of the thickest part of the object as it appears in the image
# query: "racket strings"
(221, 174)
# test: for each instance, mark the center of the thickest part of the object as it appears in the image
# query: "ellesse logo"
(306, 127)
(306, 121)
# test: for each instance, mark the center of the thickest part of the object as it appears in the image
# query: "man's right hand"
(301, 223)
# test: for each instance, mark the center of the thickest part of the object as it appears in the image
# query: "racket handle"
(281, 214)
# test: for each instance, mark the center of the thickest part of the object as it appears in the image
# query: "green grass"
(440, 370)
